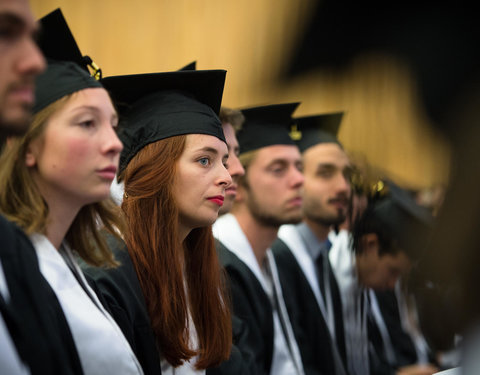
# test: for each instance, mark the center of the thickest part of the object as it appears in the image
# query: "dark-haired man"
(301, 250)
(34, 335)
(268, 195)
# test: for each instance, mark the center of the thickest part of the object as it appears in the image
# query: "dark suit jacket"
(309, 326)
(33, 315)
(252, 307)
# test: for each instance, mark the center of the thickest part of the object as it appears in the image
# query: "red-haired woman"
(168, 295)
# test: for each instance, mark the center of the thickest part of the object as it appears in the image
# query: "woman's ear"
(30, 159)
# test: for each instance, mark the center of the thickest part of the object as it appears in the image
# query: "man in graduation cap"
(34, 335)
(20, 62)
(301, 250)
(268, 196)
(387, 239)
(232, 120)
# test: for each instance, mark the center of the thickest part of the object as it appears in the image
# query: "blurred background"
(385, 124)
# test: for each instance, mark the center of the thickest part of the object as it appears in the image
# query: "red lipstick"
(218, 199)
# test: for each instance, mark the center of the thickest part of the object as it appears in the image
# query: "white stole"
(101, 346)
(227, 230)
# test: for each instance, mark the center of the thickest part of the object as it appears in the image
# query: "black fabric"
(191, 66)
(67, 70)
(309, 326)
(266, 126)
(119, 291)
(251, 306)
(241, 361)
(312, 130)
(161, 105)
(33, 314)
(59, 80)
(162, 115)
(338, 312)
(321, 280)
(376, 355)
(404, 349)
(56, 40)
(408, 223)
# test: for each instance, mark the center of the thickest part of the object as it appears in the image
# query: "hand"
(427, 369)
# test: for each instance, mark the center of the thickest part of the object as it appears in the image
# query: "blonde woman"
(54, 184)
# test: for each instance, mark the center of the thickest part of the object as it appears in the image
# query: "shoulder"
(118, 287)
(12, 238)
(284, 257)
(234, 266)
(225, 256)
(280, 249)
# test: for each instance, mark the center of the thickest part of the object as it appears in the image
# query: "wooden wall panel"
(252, 39)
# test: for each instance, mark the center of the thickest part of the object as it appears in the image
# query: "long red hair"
(163, 267)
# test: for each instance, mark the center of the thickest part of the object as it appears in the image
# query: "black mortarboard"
(67, 70)
(405, 220)
(191, 66)
(308, 131)
(266, 126)
(161, 105)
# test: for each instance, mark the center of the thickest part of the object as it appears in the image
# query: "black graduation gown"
(241, 361)
(309, 326)
(403, 346)
(251, 306)
(33, 315)
(119, 291)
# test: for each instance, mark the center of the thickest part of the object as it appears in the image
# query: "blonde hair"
(233, 117)
(22, 203)
(246, 159)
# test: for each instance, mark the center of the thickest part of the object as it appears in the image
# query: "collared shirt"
(307, 248)
(227, 230)
(314, 246)
(354, 301)
(317, 249)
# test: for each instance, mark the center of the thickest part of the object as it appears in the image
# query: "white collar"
(227, 230)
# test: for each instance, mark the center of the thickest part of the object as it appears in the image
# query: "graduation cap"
(266, 126)
(191, 66)
(156, 106)
(406, 221)
(67, 71)
(308, 131)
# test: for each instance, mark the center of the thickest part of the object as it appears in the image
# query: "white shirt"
(354, 303)
(188, 367)
(10, 362)
(227, 230)
(101, 346)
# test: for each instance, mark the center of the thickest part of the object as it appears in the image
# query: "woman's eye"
(204, 161)
(87, 123)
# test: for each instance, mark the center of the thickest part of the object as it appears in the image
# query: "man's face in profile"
(20, 62)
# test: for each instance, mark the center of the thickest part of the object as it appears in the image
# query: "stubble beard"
(14, 127)
(321, 217)
(267, 218)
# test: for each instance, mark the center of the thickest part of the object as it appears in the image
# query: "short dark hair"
(369, 223)
(398, 221)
